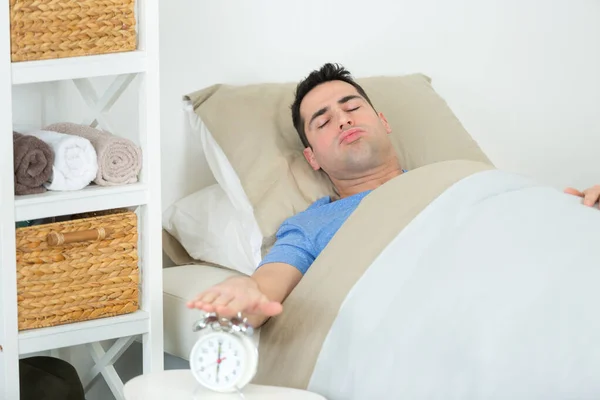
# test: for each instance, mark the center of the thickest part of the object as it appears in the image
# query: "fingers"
(240, 303)
(207, 296)
(591, 195)
(211, 299)
(573, 192)
(227, 302)
(254, 303)
(206, 301)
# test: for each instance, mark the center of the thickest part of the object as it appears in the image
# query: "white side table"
(181, 384)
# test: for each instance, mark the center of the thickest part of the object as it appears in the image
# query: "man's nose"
(344, 120)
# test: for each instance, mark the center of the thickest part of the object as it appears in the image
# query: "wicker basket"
(77, 270)
(44, 29)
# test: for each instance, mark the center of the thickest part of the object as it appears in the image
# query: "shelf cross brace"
(104, 361)
(99, 106)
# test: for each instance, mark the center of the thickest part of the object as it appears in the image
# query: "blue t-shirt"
(302, 237)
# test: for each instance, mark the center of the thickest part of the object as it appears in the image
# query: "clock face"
(220, 361)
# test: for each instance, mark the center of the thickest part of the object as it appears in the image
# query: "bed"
(255, 157)
(454, 280)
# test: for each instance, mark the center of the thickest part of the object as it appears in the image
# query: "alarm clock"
(224, 358)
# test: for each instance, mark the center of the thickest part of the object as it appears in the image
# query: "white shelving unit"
(141, 64)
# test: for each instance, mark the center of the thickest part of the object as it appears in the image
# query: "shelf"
(36, 340)
(92, 198)
(78, 67)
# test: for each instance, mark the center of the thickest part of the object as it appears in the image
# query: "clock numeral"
(234, 372)
(211, 344)
(236, 353)
(201, 369)
(238, 363)
(227, 378)
(204, 351)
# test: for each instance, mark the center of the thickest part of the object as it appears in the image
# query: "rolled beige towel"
(119, 159)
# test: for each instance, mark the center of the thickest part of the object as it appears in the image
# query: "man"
(347, 138)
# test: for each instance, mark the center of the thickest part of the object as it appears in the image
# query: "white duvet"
(492, 292)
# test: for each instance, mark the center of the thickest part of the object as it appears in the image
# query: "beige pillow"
(253, 127)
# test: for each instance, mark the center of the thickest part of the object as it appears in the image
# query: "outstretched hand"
(239, 294)
(590, 196)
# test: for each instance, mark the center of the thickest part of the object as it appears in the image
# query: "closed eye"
(353, 109)
(323, 124)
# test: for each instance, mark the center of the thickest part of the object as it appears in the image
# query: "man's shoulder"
(318, 203)
(313, 211)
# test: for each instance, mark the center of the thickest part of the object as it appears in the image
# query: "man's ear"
(385, 123)
(310, 157)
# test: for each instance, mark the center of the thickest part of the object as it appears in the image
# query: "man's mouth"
(350, 135)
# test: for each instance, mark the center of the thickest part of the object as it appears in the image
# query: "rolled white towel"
(75, 161)
(119, 159)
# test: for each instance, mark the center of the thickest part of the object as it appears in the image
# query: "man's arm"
(277, 280)
(258, 297)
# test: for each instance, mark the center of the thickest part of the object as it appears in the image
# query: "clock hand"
(218, 360)
(214, 363)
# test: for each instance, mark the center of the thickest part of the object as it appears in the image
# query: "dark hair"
(328, 72)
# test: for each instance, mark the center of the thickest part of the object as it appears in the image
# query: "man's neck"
(369, 181)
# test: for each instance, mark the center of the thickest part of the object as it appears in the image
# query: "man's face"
(346, 134)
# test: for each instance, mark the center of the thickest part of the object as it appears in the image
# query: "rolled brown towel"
(33, 161)
(119, 159)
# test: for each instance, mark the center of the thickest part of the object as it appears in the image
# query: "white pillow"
(225, 175)
(211, 229)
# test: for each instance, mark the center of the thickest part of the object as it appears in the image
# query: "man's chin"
(360, 163)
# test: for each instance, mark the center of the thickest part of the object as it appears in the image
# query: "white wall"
(522, 75)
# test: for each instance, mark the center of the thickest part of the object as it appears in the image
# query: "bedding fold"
(290, 343)
(33, 160)
(119, 159)
(75, 161)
